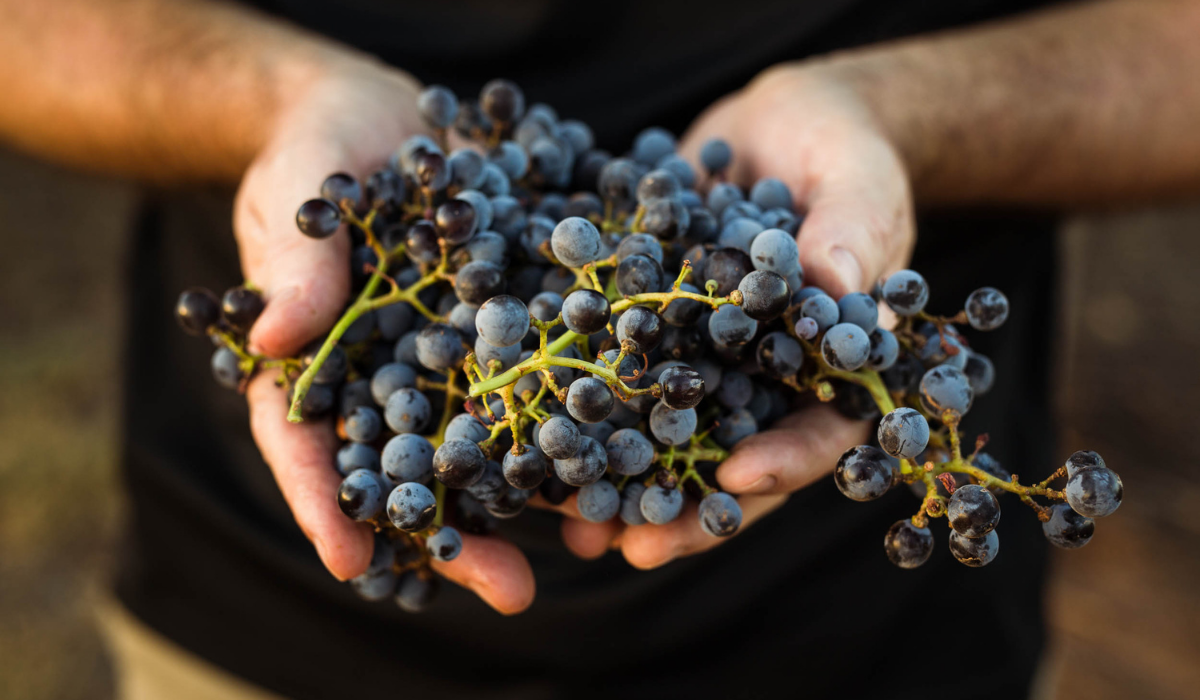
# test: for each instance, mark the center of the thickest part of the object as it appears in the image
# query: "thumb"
(858, 227)
(305, 281)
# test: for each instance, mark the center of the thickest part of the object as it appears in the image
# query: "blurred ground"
(1125, 614)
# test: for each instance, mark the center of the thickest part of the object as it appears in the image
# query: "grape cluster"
(533, 315)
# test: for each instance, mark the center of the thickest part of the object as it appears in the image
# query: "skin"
(1094, 103)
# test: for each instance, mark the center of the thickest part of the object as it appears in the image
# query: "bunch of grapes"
(507, 338)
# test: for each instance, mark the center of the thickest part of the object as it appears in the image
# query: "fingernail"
(849, 270)
(764, 484)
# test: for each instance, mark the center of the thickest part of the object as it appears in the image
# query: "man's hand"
(801, 125)
(348, 119)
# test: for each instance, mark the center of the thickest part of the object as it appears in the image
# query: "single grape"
(631, 503)
(666, 219)
(578, 134)
(863, 473)
(720, 514)
(907, 545)
(317, 402)
(670, 426)
(430, 171)
(589, 400)
(440, 347)
(682, 387)
(445, 544)
(980, 371)
(407, 411)
(477, 282)
(680, 168)
(354, 456)
(905, 375)
(946, 388)
(226, 368)
(906, 292)
(641, 327)
(652, 144)
(438, 106)
(617, 180)
(945, 349)
(465, 426)
(241, 307)
(558, 437)
(502, 101)
(466, 173)
(575, 242)
(389, 379)
(779, 355)
(661, 505)
(735, 426)
(885, 350)
(771, 193)
(491, 486)
(362, 495)
(458, 463)
(525, 470)
(903, 433)
(421, 243)
(510, 504)
(585, 467)
(845, 346)
(715, 155)
(1082, 460)
(197, 310)
(807, 328)
(354, 394)
(363, 425)
(502, 321)
(975, 552)
(629, 452)
(727, 266)
(586, 311)
(408, 457)
(374, 586)
(481, 204)
(511, 158)
(411, 507)
(776, 251)
(973, 511)
(658, 184)
(859, 309)
(987, 309)
(1066, 528)
(599, 502)
(729, 326)
(318, 218)
(1095, 492)
(508, 216)
(765, 295)
(639, 274)
(394, 320)
(456, 221)
(416, 591)
(822, 309)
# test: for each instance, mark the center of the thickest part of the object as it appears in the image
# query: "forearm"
(1090, 104)
(171, 90)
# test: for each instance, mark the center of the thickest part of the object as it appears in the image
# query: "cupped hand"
(803, 125)
(348, 119)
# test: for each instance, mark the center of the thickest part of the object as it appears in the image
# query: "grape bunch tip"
(535, 315)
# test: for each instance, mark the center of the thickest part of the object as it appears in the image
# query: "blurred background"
(1124, 612)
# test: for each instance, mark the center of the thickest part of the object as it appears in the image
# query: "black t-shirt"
(802, 602)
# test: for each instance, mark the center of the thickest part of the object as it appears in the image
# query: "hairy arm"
(171, 90)
(1094, 103)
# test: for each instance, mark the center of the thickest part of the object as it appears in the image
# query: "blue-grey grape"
(599, 502)
(408, 457)
(975, 551)
(411, 507)
(903, 433)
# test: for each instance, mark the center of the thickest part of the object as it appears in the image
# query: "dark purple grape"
(1066, 528)
(456, 221)
(639, 274)
(907, 545)
(241, 307)
(973, 511)
(431, 171)
(779, 355)
(525, 470)
(863, 473)
(727, 266)
(977, 551)
(421, 243)
(589, 400)
(342, 188)
(682, 387)
(586, 311)
(502, 101)
(765, 295)
(642, 327)
(458, 463)
(438, 106)
(197, 310)
(477, 282)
